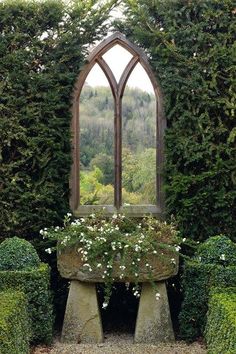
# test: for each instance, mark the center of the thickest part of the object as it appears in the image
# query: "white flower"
(222, 257)
(154, 252)
(184, 239)
(122, 267)
(92, 216)
(177, 248)
(194, 54)
(48, 250)
(173, 261)
(161, 29)
(69, 214)
(41, 232)
(158, 295)
(99, 265)
(114, 216)
(147, 265)
(104, 305)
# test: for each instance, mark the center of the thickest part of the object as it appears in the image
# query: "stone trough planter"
(164, 265)
(82, 321)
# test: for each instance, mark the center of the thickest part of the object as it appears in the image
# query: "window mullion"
(118, 142)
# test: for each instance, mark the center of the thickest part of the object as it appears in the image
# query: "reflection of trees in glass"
(97, 151)
(139, 174)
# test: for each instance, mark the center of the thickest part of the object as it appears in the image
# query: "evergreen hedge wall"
(42, 49)
(192, 50)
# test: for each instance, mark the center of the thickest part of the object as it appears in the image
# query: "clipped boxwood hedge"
(14, 323)
(221, 322)
(197, 281)
(35, 284)
(18, 254)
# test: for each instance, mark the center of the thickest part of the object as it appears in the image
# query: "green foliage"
(14, 326)
(191, 46)
(198, 279)
(106, 164)
(35, 284)
(18, 254)
(218, 250)
(42, 49)
(221, 322)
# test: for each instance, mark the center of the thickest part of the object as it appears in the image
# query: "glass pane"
(117, 58)
(139, 140)
(96, 140)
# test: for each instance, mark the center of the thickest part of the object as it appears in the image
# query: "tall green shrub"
(42, 49)
(192, 51)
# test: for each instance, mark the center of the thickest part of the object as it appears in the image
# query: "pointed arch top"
(117, 88)
(96, 57)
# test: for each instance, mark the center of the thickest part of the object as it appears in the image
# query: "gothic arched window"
(117, 81)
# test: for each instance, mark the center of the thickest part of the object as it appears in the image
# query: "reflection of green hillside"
(97, 146)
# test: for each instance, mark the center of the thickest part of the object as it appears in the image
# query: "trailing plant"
(103, 242)
(191, 48)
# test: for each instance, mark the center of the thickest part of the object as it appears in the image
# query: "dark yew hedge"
(42, 48)
(192, 51)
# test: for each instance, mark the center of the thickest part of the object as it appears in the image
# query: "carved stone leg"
(82, 321)
(153, 321)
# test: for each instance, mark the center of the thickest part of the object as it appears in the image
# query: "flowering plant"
(103, 242)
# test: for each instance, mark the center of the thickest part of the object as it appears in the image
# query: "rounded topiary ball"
(18, 254)
(217, 250)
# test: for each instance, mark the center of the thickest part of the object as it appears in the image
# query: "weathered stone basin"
(82, 321)
(164, 265)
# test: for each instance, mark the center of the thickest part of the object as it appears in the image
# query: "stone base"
(153, 321)
(82, 322)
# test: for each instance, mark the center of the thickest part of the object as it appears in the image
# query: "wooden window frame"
(117, 92)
